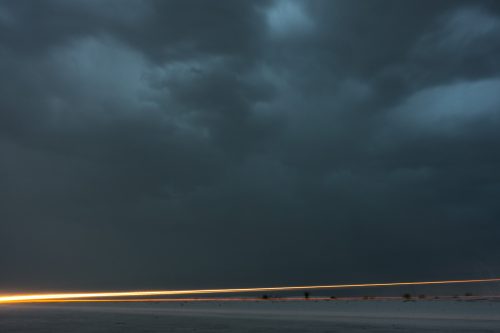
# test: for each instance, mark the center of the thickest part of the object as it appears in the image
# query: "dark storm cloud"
(199, 143)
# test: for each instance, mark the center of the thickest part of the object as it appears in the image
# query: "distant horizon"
(22, 298)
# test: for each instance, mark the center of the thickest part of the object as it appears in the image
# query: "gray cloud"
(173, 143)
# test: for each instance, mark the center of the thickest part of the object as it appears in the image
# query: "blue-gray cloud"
(173, 143)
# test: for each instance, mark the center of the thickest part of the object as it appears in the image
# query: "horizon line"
(60, 296)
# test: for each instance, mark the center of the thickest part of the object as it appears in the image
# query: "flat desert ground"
(261, 316)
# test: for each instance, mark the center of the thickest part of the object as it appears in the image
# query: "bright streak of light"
(69, 296)
(155, 300)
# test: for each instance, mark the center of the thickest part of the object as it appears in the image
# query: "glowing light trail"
(69, 296)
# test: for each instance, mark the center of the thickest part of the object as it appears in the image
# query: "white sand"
(268, 316)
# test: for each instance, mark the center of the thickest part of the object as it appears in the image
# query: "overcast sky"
(169, 144)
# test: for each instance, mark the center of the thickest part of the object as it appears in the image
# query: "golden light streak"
(151, 300)
(70, 296)
(256, 299)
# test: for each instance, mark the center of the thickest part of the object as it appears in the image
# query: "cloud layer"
(239, 143)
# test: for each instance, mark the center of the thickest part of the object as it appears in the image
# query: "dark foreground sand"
(268, 316)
